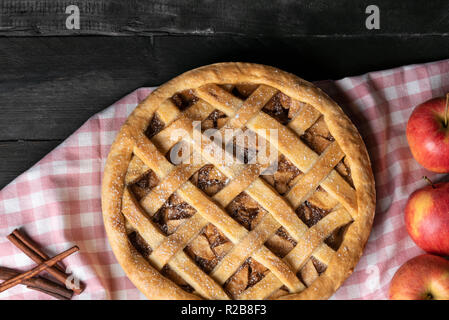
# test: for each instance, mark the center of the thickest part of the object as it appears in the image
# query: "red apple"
(428, 134)
(427, 218)
(421, 278)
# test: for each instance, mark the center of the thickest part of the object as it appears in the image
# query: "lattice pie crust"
(224, 231)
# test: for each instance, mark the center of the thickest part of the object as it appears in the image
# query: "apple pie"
(282, 213)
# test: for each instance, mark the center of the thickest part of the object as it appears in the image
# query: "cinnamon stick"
(33, 247)
(28, 247)
(36, 270)
(39, 283)
(50, 293)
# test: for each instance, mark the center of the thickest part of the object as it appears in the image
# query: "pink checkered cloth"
(57, 201)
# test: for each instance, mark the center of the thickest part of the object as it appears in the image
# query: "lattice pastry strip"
(200, 281)
(312, 239)
(303, 120)
(233, 256)
(314, 177)
(309, 273)
(166, 138)
(286, 217)
(269, 200)
(311, 180)
(216, 216)
(239, 112)
(258, 190)
(289, 144)
(250, 244)
(260, 105)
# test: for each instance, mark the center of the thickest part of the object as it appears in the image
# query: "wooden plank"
(18, 156)
(205, 17)
(51, 90)
(55, 86)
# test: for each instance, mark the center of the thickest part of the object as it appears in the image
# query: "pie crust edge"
(147, 279)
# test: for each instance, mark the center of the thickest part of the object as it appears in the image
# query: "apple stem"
(445, 113)
(429, 182)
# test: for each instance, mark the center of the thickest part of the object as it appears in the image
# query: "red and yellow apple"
(428, 134)
(427, 218)
(421, 278)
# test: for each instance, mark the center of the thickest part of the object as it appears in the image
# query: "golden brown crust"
(147, 278)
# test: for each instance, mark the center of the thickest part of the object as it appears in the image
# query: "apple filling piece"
(284, 177)
(244, 146)
(209, 179)
(311, 270)
(281, 243)
(310, 215)
(184, 99)
(215, 120)
(248, 274)
(336, 238)
(319, 266)
(318, 138)
(244, 90)
(246, 210)
(240, 90)
(208, 248)
(282, 108)
(139, 243)
(172, 214)
(155, 126)
(345, 171)
(144, 184)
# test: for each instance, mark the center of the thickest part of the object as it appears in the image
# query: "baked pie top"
(219, 230)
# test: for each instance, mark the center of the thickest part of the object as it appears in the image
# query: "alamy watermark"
(226, 147)
(373, 20)
(73, 20)
(72, 282)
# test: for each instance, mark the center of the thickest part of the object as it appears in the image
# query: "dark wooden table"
(53, 79)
